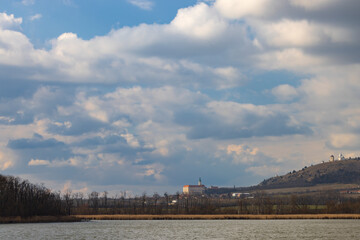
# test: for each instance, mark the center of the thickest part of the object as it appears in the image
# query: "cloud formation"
(143, 4)
(35, 17)
(8, 22)
(28, 2)
(140, 104)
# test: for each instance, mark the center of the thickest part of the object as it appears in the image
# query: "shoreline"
(39, 219)
(82, 218)
(219, 217)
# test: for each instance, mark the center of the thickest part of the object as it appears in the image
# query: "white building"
(341, 157)
(194, 189)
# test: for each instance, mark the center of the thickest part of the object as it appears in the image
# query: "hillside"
(341, 172)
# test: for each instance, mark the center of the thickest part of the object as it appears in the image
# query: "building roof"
(194, 185)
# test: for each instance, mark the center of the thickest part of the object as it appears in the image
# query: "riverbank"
(79, 218)
(217, 217)
(39, 219)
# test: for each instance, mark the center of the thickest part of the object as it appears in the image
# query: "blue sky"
(88, 18)
(143, 95)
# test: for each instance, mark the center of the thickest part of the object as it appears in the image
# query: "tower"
(199, 183)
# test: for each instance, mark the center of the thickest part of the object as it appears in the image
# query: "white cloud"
(9, 21)
(295, 33)
(143, 4)
(131, 140)
(229, 77)
(156, 53)
(235, 112)
(242, 8)
(294, 59)
(292, 33)
(7, 119)
(6, 159)
(200, 21)
(153, 170)
(242, 153)
(284, 92)
(345, 141)
(76, 60)
(38, 162)
(92, 107)
(239, 149)
(35, 17)
(28, 2)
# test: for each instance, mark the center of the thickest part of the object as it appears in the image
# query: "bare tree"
(105, 196)
(68, 201)
(143, 201)
(156, 197)
(94, 200)
(166, 195)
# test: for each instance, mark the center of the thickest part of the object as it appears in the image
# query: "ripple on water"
(186, 229)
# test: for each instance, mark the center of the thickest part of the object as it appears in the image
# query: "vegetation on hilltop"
(345, 171)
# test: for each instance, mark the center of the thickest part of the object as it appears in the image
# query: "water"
(187, 229)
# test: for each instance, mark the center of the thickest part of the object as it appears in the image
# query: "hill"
(340, 172)
(338, 175)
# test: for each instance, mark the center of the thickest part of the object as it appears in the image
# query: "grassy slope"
(339, 172)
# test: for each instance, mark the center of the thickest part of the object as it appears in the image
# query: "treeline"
(21, 198)
(329, 202)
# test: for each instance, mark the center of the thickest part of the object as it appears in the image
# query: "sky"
(149, 95)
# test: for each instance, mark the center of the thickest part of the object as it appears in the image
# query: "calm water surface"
(185, 229)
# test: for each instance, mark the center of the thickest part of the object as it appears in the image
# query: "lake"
(186, 229)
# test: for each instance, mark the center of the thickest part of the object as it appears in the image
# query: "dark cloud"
(24, 101)
(78, 125)
(205, 125)
(16, 118)
(345, 13)
(40, 148)
(96, 141)
(37, 141)
(113, 144)
(11, 88)
(339, 53)
(125, 150)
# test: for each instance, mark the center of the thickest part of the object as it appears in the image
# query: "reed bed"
(217, 217)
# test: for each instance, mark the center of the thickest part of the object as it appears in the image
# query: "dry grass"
(217, 217)
(39, 219)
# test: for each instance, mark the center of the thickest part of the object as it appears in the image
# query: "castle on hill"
(340, 158)
(194, 189)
